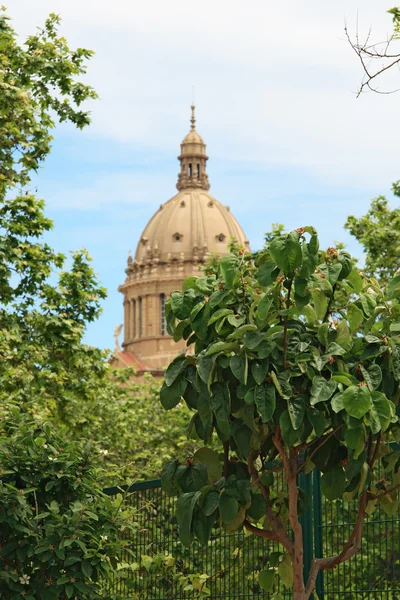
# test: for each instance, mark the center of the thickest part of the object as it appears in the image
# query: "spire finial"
(193, 118)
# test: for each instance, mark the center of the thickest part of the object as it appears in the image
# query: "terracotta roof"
(130, 359)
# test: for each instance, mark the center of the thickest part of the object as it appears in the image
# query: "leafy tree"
(379, 233)
(296, 367)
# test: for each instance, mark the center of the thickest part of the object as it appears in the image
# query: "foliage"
(379, 233)
(60, 536)
(295, 354)
(38, 84)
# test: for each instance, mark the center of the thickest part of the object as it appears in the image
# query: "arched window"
(140, 316)
(133, 319)
(190, 170)
(163, 325)
(198, 171)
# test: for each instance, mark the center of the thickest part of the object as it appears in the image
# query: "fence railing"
(233, 560)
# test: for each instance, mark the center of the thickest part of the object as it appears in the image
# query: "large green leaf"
(182, 304)
(210, 502)
(184, 514)
(372, 376)
(174, 369)
(258, 507)
(290, 435)
(267, 274)
(286, 252)
(297, 408)
(355, 317)
(239, 367)
(265, 399)
(205, 365)
(334, 483)
(264, 306)
(229, 265)
(357, 401)
(259, 370)
(168, 483)
(393, 288)
(220, 400)
(381, 413)
(266, 579)
(219, 314)
(171, 395)
(322, 389)
(210, 459)
(191, 478)
(317, 420)
(228, 507)
(285, 570)
(252, 339)
(320, 303)
(242, 437)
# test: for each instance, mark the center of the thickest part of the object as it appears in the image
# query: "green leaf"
(220, 400)
(240, 331)
(168, 478)
(264, 307)
(297, 409)
(337, 402)
(317, 420)
(239, 367)
(393, 288)
(285, 570)
(259, 370)
(188, 284)
(265, 400)
(258, 507)
(290, 435)
(357, 401)
(221, 347)
(210, 503)
(210, 459)
(372, 376)
(242, 437)
(184, 514)
(87, 568)
(344, 378)
(229, 265)
(334, 483)
(321, 389)
(171, 395)
(205, 365)
(219, 314)
(174, 369)
(286, 252)
(320, 303)
(228, 507)
(355, 317)
(267, 274)
(266, 579)
(182, 304)
(191, 478)
(381, 413)
(252, 339)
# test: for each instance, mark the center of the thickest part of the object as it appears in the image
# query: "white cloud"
(274, 81)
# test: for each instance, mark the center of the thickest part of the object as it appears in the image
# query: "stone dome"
(189, 227)
(174, 245)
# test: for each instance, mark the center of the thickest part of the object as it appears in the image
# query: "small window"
(163, 325)
(220, 237)
(140, 317)
(190, 170)
(177, 237)
(198, 171)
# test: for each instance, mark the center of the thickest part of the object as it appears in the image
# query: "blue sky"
(274, 82)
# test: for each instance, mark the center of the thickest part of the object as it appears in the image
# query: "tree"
(296, 367)
(379, 233)
(377, 58)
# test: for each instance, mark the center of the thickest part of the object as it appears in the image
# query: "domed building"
(176, 242)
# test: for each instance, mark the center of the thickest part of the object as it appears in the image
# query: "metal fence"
(233, 560)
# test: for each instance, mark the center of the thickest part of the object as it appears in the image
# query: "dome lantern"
(193, 159)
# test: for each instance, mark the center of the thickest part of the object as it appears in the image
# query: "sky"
(275, 88)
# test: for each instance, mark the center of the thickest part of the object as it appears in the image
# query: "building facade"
(176, 242)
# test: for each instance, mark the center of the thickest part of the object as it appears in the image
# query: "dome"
(189, 227)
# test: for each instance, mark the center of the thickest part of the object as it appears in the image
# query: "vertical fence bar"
(317, 505)
(306, 521)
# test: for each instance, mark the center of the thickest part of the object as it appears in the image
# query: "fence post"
(306, 484)
(317, 502)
